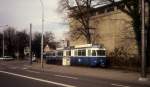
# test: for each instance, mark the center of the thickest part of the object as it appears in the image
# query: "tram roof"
(82, 47)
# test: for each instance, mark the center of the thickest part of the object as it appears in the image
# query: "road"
(19, 75)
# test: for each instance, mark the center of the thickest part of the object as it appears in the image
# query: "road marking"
(66, 76)
(120, 85)
(38, 79)
(32, 71)
(27, 66)
(3, 64)
(24, 68)
(13, 67)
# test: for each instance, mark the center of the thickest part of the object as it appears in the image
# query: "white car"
(33, 59)
(6, 58)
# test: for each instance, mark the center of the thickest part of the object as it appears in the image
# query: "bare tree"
(1, 44)
(22, 41)
(15, 41)
(10, 46)
(81, 10)
(36, 44)
(49, 39)
(133, 9)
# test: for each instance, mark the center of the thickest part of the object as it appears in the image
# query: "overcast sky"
(20, 13)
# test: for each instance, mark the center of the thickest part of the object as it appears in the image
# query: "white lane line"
(32, 71)
(118, 85)
(38, 79)
(66, 77)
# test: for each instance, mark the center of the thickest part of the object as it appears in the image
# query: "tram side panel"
(53, 58)
(80, 57)
(89, 59)
(103, 61)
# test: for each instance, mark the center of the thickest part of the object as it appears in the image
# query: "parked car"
(7, 58)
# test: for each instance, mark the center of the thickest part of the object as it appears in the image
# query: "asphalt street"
(19, 75)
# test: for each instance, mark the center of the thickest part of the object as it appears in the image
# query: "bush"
(120, 58)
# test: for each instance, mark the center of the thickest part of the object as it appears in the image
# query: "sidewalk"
(104, 73)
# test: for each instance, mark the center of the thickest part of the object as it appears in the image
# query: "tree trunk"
(137, 31)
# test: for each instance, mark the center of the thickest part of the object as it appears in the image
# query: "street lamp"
(3, 41)
(42, 5)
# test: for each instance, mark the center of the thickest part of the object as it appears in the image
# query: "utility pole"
(3, 44)
(30, 43)
(42, 5)
(3, 41)
(143, 51)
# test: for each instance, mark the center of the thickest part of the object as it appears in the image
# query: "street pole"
(143, 74)
(30, 43)
(143, 56)
(42, 5)
(3, 41)
(3, 44)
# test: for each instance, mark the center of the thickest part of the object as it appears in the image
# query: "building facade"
(113, 29)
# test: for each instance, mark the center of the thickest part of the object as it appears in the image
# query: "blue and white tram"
(88, 56)
(54, 57)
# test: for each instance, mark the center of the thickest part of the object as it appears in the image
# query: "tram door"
(66, 58)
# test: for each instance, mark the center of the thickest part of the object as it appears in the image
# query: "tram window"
(60, 53)
(81, 52)
(93, 52)
(100, 52)
(50, 54)
(76, 53)
(53, 54)
(89, 52)
(68, 53)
